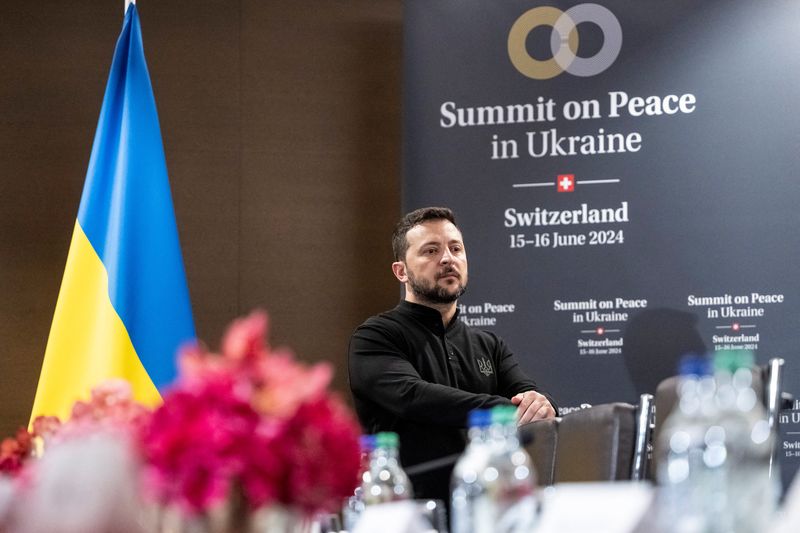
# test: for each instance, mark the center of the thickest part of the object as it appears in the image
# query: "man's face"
(435, 266)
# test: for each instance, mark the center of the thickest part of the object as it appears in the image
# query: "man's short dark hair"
(414, 218)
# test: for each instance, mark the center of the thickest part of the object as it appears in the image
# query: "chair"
(605, 442)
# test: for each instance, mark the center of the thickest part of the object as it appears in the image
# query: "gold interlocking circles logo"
(564, 41)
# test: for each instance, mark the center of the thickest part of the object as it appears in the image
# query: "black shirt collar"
(427, 315)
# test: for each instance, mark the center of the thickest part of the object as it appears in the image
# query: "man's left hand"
(532, 406)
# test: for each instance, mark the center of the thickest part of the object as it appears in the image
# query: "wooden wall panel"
(51, 84)
(323, 85)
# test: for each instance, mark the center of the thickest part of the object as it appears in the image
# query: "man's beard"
(432, 292)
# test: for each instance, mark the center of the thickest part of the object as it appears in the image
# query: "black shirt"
(411, 375)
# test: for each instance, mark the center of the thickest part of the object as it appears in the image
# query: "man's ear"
(399, 271)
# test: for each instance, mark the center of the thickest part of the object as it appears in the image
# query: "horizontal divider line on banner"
(551, 184)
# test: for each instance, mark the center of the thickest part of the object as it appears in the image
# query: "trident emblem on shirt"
(485, 366)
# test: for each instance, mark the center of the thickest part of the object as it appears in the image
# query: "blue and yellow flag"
(123, 309)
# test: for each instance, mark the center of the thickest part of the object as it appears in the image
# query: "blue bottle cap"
(692, 364)
(480, 418)
(367, 443)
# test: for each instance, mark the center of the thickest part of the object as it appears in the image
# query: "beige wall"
(281, 125)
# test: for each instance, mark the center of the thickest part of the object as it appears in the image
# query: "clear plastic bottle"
(752, 494)
(508, 502)
(354, 506)
(691, 455)
(466, 485)
(386, 482)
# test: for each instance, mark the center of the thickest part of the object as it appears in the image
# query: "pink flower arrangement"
(111, 408)
(251, 421)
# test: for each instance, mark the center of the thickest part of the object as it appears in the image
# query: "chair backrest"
(540, 439)
(606, 442)
(596, 444)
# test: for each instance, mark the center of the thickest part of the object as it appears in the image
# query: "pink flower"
(324, 457)
(195, 444)
(46, 426)
(195, 364)
(14, 452)
(284, 384)
(111, 408)
(253, 421)
(245, 338)
(263, 478)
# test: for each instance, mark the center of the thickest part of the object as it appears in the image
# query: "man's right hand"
(532, 406)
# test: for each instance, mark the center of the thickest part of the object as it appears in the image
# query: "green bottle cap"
(504, 415)
(732, 360)
(387, 439)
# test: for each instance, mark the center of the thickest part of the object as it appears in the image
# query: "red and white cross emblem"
(565, 182)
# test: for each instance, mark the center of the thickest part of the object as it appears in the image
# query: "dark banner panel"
(624, 174)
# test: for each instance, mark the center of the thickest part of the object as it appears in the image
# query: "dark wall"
(281, 126)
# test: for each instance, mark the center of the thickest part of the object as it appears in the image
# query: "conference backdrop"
(625, 175)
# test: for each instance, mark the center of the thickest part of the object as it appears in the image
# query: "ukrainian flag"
(123, 308)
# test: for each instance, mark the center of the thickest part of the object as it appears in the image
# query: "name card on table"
(396, 517)
(615, 507)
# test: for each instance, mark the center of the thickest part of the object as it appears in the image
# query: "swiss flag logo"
(565, 182)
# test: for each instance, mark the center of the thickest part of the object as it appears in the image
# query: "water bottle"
(466, 486)
(752, 494)
(507, 503)
(354, 506)
(690, 457)
(386, 482)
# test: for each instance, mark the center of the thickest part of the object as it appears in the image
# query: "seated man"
(418, 370)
